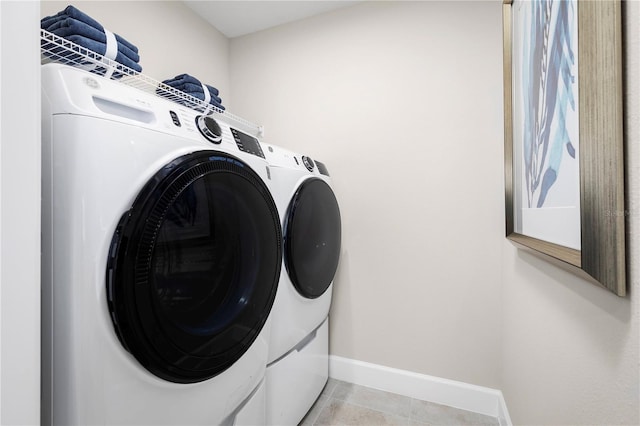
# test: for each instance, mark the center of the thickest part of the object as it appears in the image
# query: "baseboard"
(421, 386)
(503, 413)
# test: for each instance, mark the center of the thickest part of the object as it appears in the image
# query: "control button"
(175, 119)
(209, 128)
(308, 163)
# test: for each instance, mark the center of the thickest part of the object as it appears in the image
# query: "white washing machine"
(161, 259)
(298, 348)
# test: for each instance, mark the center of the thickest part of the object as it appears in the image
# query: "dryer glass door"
(194, 267)
(312, 238)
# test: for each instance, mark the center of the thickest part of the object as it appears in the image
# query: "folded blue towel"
(186, 78)
(72, 12)
(64, 56)
(70, 26)
(191, 88)
(101, 49)
(200, 95)
(79, 28)
(197, 106)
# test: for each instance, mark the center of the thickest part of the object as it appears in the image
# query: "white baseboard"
(503, 413)
(421, 386)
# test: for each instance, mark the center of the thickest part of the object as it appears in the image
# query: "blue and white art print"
(545, 119)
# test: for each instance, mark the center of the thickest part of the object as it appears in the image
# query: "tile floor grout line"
(321, 409)
(328, 397)
(332, 390)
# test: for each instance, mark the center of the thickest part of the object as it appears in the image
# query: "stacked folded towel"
(79, 28)
(192, 86)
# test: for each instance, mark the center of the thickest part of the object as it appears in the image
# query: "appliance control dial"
(209, 128)
(308, 163)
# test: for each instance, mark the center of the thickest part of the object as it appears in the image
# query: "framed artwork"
(564, 152)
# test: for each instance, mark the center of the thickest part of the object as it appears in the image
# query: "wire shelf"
(57, 49)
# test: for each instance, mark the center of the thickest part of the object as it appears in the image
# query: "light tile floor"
(343, 403)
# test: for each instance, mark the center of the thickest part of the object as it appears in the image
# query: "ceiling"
(235, 18)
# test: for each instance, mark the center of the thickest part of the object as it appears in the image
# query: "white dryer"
(161, 259)
(298, 348)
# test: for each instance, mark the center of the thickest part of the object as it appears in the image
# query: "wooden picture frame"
(600, 256)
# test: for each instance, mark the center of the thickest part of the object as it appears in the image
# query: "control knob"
(308, 163)
(209, 128)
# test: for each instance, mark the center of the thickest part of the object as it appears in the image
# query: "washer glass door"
(312, 238)
(194, 267)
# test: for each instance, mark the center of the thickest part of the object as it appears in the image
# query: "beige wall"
(171, 38)
(570, 349)
(402, 101)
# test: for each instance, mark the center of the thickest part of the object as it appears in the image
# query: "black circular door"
(194, 266)
(312, 238)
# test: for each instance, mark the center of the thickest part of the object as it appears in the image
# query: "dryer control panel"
(247, 143)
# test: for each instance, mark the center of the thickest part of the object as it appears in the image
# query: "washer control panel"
(247, 143)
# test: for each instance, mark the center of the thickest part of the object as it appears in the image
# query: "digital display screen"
(247, 143)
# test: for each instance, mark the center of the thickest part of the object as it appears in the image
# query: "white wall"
(171, 38)
(19, 214)
(403, 102)
(570, 349)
